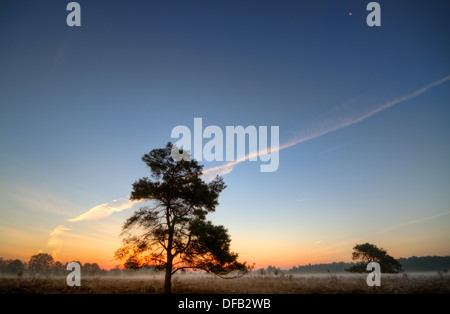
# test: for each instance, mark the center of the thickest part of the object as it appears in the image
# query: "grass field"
(432, 283)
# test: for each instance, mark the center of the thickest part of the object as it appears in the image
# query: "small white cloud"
(55, 241)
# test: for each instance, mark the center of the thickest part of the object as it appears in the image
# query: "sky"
(363, 115)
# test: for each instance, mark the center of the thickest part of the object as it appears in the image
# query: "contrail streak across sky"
(210, 173)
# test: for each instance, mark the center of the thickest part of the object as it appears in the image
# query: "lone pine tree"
(171, 233)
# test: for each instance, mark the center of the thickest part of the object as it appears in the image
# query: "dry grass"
(194, 284)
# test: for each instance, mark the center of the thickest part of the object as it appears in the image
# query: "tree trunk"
(168, 277)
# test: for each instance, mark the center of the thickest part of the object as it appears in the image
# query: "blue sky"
(80, 106)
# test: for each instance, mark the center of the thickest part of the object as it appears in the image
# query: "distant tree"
(59, 268)
(425, 263)
(173, 233)
(15, 266)
(41, 263)
(91, 269)
(115, 270)
(273, 270)
(132, 264)
(367, 253)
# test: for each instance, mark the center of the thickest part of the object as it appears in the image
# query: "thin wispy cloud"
(412, 222)
(332, 250)
(99, 238)
(344, 243)
(210, 173)
(37, 200)
(323, 129)
(104, 210)
(96, 212)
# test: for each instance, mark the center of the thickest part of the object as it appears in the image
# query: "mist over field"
(325, 283)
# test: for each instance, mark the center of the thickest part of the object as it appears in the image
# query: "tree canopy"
(41, 263)
(367, 253)
(172, 232)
